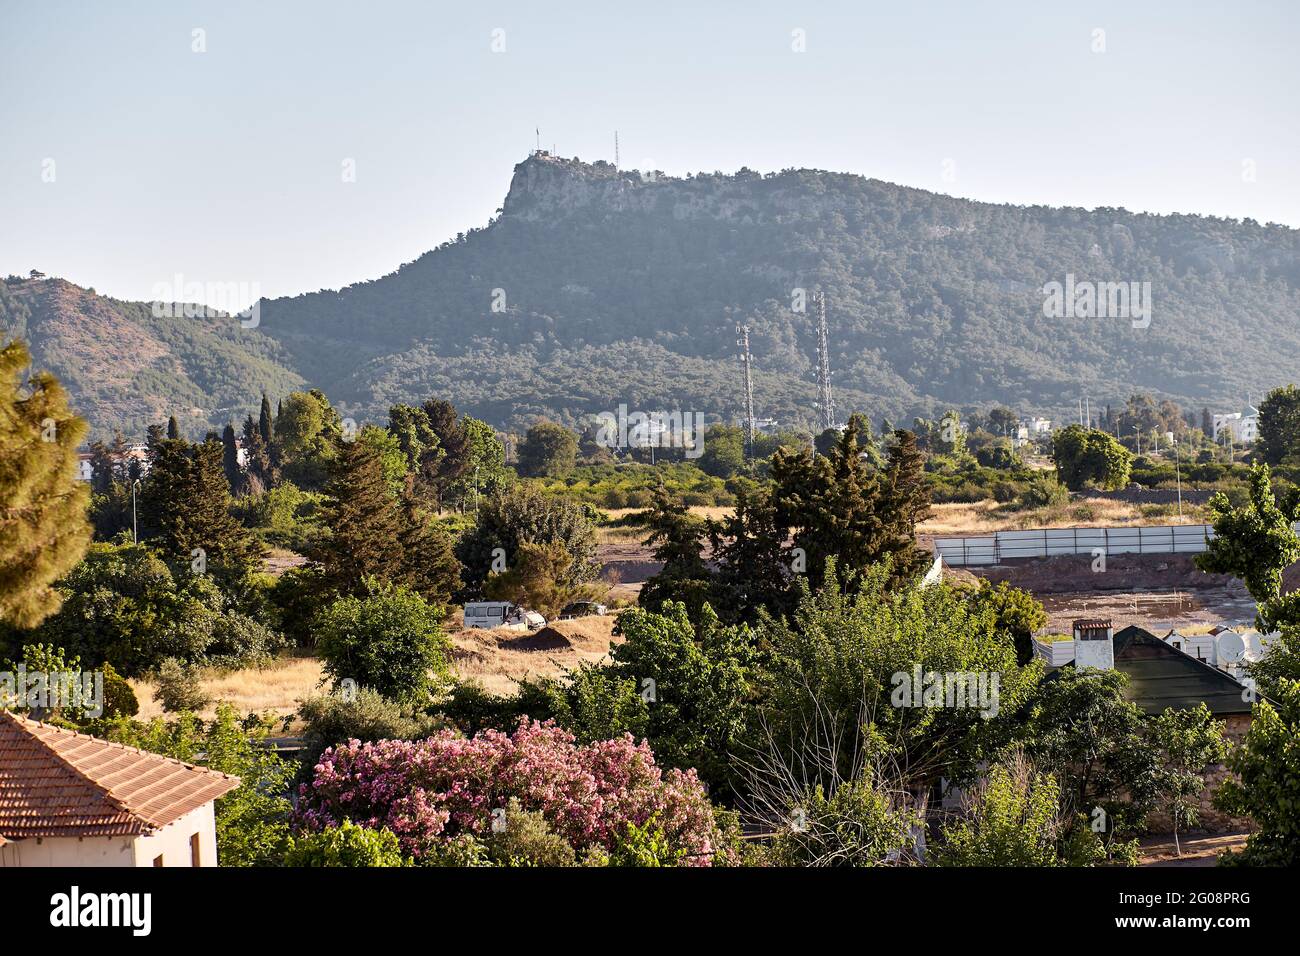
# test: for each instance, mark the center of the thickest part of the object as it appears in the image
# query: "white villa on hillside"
(1242, 426)
(69, 799)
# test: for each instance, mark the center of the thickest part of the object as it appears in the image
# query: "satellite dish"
(1232, 647)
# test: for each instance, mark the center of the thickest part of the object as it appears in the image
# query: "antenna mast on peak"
(616, 149)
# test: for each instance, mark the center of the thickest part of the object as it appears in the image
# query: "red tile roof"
(59, 783)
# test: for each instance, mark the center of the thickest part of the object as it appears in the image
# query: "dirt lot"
(497, 659)
(1154, 591)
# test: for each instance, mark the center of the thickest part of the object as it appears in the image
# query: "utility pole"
(824, 364)
(1178, 476)
(135, 538)
(750, 426)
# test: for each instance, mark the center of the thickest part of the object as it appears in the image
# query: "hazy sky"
(227, 165)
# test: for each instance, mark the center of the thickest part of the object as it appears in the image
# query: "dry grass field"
(982, 517)
(278, 688)
(496, 659)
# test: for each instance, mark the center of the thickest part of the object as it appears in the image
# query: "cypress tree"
(173, 429)
(230, 459)
(265, 425)
(905, 503)
(366, 521)
(43, 528)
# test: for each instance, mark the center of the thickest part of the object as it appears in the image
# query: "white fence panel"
(1048, 542)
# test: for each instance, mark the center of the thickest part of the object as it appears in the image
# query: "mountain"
(596, 286)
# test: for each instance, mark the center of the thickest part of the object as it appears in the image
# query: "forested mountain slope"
(595, 286)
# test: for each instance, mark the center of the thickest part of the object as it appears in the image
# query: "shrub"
(345, 845)
(431, 791)
(119, 698)
(1011, 820)
(523, 838)
(179, 688)
(390, 640)
(1043, 492)
(334, 719)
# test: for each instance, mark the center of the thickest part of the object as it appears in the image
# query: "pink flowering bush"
(433, 790)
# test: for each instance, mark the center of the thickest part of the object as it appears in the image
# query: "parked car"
(582, 609)
(490, 614)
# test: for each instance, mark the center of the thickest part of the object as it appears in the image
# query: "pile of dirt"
(545, 639)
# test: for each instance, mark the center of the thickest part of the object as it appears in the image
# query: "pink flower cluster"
(437, 788)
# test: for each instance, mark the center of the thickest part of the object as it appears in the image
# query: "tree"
(537, 578)
(173, 429)
(1011, 819)
(1255, 543)
(870, 657)
(1188, 742)
(1265, 781)
(428, 554)
(522, 513)
(443, 464)
(752, 567)
(230, 459)
(547, 451)
(389, 639)
(415, 436)
(306, 434)
(124, 605)
(1279, 425)
(677, 537)
(905, 503)
(699, 678)
(1097, 745)
(186, 501)
(366, 521)
(724, 451)
(1003, 421)
(43, 526)
(485, 463)
(1014, 612)
(1090, 456)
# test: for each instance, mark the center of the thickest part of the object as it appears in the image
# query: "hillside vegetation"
(610, 286)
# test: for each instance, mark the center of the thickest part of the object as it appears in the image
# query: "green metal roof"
(1161, 675)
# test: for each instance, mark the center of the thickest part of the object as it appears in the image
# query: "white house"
(69, 799)
(1242, 426)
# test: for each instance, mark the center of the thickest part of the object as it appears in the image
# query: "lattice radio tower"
(750, 424)
(826, 402)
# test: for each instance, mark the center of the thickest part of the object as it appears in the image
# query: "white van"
(490, 614)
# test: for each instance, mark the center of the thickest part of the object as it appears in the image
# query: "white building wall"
(172, 843)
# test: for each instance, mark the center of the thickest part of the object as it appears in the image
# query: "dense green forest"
(595, 286)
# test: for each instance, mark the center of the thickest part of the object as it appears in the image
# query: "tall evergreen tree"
(260, 474)
(678, 540)
(429, 561)
(173, 429)
(754, 570)
(43, 528)
(905, 503)
(230, 459)
(441, 470)
(366, 521)
(187, 504)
